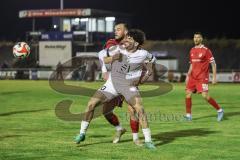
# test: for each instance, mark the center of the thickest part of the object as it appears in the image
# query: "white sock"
(188, 115)
(135, 136)
(220, 110)
(147, 134)
(119, 127)
(84, 126)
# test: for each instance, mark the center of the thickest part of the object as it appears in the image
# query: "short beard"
(119, 39)
(197, 43)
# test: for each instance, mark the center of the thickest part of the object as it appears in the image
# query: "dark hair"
(137, 35)
(198, 33)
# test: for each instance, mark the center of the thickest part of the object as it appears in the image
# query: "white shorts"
(108, 89)
(111, 91)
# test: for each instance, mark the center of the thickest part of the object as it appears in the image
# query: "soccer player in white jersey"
(127, 62)
(112, 118)
(108, 107)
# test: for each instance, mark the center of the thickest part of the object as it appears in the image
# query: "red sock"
(134, 126)
(113, 119)
(188, 102)
(214, 103)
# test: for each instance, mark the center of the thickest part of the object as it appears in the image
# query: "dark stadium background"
(161, 20)
(40, 111)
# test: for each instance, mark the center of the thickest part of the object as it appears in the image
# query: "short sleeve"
(101, 55)
(150, 58)
(190, 59)
(209, 56)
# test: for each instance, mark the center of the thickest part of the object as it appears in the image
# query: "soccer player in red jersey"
(198, 76)
(121, 30)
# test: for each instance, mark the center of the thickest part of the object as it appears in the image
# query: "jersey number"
(103, 88)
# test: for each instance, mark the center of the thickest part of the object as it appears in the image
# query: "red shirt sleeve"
(110, 43)
(209, 56)
(190, 59)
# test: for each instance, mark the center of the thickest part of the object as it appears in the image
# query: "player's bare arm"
(110, 59)
(189, 72)
(214, 71)
(149, 67)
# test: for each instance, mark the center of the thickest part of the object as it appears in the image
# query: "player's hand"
(135, 83)
(144, 78)
(105, 76)
(117, 56)
(214, 81)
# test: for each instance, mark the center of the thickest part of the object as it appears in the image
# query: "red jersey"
(200, 57)
(110, 43)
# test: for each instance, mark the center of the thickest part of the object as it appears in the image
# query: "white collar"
(201, 46)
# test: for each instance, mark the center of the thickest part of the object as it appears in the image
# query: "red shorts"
(196, 85)
(117, 101)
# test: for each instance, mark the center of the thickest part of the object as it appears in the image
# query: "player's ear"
(136, 44)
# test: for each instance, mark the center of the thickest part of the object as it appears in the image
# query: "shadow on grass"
(89, 144)
(203, 103)
(98, 136)
(226, 115)
(102, 142)
(9, 136)
(168, 137)
(164, 138)
(20, 112)
(13, 92)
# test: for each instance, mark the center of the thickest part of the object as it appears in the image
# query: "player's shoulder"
(102, 52)
(201, 47)
(110, 43)
(205, 47)
(113, 48)
(143, 51)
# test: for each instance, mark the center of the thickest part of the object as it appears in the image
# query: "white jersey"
(124, 71)
(131, 64)
(139, 56)
(101, 56)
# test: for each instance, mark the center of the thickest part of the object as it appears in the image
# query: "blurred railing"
(95, 75)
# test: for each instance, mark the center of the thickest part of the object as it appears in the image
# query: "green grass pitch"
(29, 128)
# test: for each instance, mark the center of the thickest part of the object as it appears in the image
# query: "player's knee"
(131, 110)
(139, 109)
(188, 95)
(205, 96)
(91, 105)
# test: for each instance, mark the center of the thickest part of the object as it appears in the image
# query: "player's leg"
(190, 88)
(119, 129)
(112, 118)
(213, 103)
(134, 123)
(188, 103)
(108, 108)
(133, 98)
(97, 99)
(106, 92)
(136, 103)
